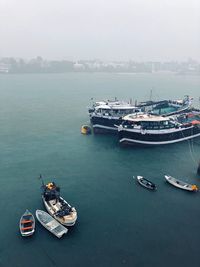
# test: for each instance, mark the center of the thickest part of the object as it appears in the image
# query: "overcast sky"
(100, 29)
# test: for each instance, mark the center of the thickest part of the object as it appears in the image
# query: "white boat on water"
(181, 184)
(56, 206)
(27, 224)
(50, 223)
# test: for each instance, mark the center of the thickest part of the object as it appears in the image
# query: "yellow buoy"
(85, 129)
(194, 187)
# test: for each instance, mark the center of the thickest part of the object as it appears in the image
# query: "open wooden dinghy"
(27, 224)
(50, 223)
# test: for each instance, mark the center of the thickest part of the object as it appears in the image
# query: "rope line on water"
(191, 147)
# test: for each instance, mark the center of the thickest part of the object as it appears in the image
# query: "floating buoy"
(85, 129)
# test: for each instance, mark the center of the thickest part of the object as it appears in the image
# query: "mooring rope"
(190, 148)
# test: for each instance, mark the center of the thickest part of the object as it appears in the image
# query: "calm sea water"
(120, 223)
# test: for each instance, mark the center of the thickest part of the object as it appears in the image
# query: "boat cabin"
(148, 122)
(50, 191)
(115, 110)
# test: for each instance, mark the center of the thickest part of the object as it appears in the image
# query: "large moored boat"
(152, 130)
(105, 115)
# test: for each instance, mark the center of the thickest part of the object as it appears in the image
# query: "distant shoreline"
(103, 72)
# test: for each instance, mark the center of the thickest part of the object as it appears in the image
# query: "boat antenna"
(151, 92)
(40, 178)
(136, 103)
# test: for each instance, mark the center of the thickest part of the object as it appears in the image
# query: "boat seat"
(26, 221)
(55, 206)
(52, 224)
(26, 228)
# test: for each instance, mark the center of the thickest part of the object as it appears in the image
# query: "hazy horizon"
(139, 30)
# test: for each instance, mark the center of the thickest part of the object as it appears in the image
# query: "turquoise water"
(120, 223)
(165, 110)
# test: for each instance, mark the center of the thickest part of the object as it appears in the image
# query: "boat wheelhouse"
(107, 115)
(152, 130)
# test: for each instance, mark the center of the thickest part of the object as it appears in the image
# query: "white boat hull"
(52, 211)
(51, 224)
(180, 184)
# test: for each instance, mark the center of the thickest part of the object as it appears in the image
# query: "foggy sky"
(100, 29)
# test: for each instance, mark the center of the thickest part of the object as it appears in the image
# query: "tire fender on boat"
(143, 131)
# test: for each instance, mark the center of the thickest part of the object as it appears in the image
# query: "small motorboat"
(50, 223)
(56, 206)
(85, 129)
(181, 184)
(146, 183)
(27, 224)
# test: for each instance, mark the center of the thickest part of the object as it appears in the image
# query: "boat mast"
(151, 93)
(40, 177)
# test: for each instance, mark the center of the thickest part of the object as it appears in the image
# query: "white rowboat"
(50, 223)
(181, 184)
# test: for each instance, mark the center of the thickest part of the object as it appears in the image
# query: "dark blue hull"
(150, 139)
(105, 125)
